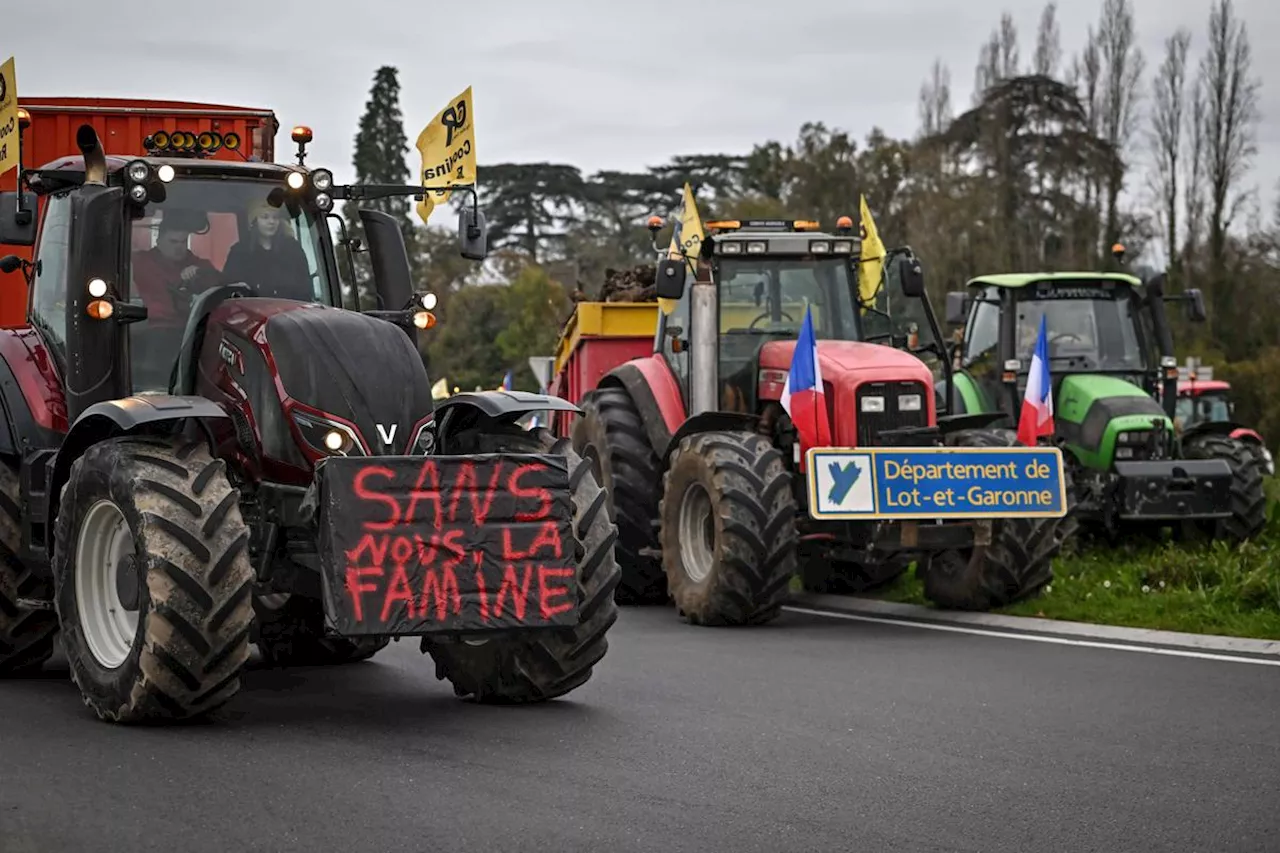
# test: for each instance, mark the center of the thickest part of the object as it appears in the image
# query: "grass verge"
(1208, 589)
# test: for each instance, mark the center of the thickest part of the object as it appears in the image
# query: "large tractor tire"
(292, 634)
(1015, 566)
(522, 669)
(728, 529)
(154, 583)
(26, 636)
(1248, 496)
(612, 437)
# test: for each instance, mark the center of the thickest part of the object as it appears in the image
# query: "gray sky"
(588, 82)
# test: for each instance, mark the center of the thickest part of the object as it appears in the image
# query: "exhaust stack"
(95, 161)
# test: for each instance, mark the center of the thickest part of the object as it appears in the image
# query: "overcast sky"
(594, 83)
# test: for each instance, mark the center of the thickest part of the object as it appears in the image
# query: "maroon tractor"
(204, 449)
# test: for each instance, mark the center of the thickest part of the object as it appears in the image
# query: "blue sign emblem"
(935, 482)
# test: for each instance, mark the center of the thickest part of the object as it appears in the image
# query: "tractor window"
(769, 297)
(1097, 332)
(764, 300)
(208, 233)
(983, 335)
(48, 298)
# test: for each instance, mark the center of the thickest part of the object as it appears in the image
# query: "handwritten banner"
(413, 545)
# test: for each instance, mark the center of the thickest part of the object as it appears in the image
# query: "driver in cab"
(167, 275)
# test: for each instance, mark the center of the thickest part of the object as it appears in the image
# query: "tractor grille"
(871, 424)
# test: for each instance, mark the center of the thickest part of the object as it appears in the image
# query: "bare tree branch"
(1048, 43)
(1123, 63)
(1168, 107)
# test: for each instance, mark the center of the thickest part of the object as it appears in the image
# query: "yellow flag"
(440, 390)
(686, 240)
(448, 148)
(8, 117)
(871, 269)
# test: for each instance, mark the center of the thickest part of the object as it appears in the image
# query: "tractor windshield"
(212, 232)
(768, 297)
(1091, 329)
(1205, 407)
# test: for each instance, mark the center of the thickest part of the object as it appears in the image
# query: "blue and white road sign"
(935, 482)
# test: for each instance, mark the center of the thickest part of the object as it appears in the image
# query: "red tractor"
(236, 458)
(686, 429)
(1203, 399)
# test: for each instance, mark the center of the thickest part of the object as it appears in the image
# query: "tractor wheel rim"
(697, 533)
(104, 545)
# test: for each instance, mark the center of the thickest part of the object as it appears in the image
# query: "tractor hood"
(1092, 410)
(851, 362)
(852, 370)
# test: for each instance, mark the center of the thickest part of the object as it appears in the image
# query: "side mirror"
(912, 279)
(1195, 305)
(670, 278)
(392, 277)
(18, 227)
(10, 263)
(473, 234)
(957, 308)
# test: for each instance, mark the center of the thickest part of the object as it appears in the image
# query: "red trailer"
(122, 124)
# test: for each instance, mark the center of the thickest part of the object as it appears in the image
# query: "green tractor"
(1114, 378)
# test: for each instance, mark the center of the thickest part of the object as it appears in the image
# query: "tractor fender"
(1246, 434)
(1230, 429)
(709, 422)
(115, 418)
(461, 410)
(653, 388)
(26, 406)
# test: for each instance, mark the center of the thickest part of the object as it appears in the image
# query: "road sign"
(935, 482)
(542, 365)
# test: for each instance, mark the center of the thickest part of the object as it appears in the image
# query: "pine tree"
(380, 150)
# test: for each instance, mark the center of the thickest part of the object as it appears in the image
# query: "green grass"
(1204, 589)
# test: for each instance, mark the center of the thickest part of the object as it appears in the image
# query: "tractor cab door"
(47, 302)
(978, 378)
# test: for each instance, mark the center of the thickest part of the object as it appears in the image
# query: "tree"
(1122, 63)
(935, 100)
(530, 205)
(536, 307)
(1048, 43)
(380, 149)
(1167, 120)
(1230, 119)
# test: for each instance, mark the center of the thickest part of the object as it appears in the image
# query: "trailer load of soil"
(634, 284)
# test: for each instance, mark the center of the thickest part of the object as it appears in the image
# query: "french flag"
(1037, 404)
(802, 395)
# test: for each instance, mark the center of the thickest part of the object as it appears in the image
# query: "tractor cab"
(767, 274)
(1107, 325)
(730, 338)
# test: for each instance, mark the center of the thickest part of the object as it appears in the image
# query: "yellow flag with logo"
(686, 240)
(448, 148)
(9, 132)
(871, 269)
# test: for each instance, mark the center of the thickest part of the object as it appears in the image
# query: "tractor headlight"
(322, 179)
(165, 173)
(138, 172)
(138, 192)
(424, 442)
(296, 180)
(873, 404)
(909, 403)
(325, 436)
(324, 202)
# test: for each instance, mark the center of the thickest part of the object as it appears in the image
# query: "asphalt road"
(808, 735)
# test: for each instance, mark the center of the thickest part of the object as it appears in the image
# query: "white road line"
(1035, 638)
